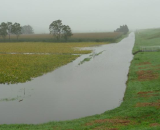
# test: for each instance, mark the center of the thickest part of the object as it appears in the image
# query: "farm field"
(46, 56)
(76, 37)
(42, 47)
(19, 67)
(140, 108)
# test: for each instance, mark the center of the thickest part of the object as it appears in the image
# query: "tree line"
(9, 29)
(123, 29)
(56, 28)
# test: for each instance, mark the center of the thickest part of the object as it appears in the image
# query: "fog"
(82, 15)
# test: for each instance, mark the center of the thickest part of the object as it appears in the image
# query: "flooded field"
(72, 91)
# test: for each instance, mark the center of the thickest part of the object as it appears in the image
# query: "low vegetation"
(45, 57)
(21, 68)
(76, 37)
(54, 48)
(90, 57)
(140, 109)
(148, 37)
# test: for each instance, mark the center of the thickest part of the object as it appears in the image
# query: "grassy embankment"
(141, 107)
(77, 37)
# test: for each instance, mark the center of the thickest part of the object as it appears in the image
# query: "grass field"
(77, 37)
(41, 47)
(148, 37)
(21, 68)
(15, 68)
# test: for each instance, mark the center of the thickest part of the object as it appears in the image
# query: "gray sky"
(82, 15)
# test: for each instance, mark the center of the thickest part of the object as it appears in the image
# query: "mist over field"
(82, 15)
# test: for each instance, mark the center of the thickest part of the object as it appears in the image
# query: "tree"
(9, 29)
(16, 29)
(3, 30)
(123, 29)
(66, 32)
(27, 29)
(56, 28)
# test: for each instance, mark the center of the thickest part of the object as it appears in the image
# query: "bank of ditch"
(140, 109)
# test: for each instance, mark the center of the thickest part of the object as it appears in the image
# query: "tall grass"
(77, 37)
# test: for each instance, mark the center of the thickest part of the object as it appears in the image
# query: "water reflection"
(72, 91)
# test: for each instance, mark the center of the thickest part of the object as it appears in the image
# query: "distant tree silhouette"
(16, 29)
(66, 32)
(9, 29)
(27, 29)
(59, 30)
(56, 28)
(3, 30)
(123, 29)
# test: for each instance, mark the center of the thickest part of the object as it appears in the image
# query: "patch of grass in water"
(86, 59)
(10, 99)
(90, 57)
(99, 53)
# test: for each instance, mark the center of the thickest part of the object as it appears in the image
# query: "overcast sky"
(82, 15)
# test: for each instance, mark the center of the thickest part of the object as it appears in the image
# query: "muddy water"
(72, 91)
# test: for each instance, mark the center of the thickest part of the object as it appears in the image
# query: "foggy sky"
(82, 15)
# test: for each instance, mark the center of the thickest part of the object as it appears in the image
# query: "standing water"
(71, 91)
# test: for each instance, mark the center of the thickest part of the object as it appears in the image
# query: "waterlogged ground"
(72, 91)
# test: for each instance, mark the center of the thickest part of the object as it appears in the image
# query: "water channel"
(71, 91)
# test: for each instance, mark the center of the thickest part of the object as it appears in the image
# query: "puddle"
(72, 91)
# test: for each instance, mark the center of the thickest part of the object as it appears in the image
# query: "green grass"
(85, 59)
(148, 37)
(19, 68)
(99, 53)
(140, 109)
(54, 48)
(90, 57)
